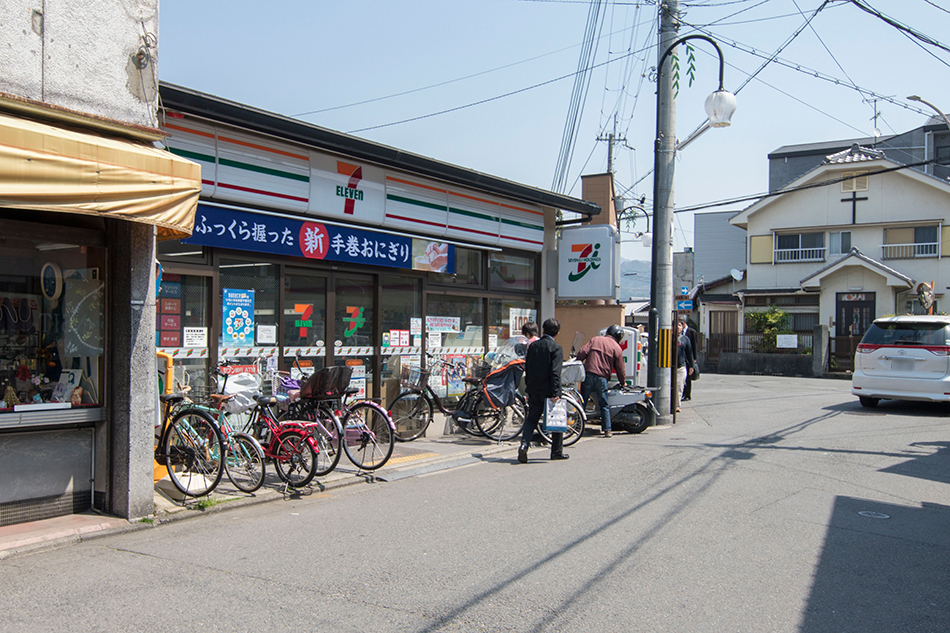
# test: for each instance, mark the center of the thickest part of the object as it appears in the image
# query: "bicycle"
(412, 410)
(190, 446)
(243, 455)
(290, 444)
(363, 428)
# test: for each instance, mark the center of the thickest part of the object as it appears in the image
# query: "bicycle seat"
(172, 397)
(472, 381)
(220, 397)
(265, 399)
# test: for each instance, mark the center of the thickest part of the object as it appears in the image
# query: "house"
(852, 237)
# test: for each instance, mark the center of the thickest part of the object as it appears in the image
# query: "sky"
(488, 84)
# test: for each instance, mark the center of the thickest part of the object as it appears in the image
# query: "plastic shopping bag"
(555, 416)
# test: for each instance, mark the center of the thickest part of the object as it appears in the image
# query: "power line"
(782, 192)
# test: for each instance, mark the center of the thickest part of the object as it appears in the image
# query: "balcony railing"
(787, 255)
(911, 251)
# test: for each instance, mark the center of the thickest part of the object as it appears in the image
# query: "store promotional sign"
(589, 263)
(238, 317)
(246, 231)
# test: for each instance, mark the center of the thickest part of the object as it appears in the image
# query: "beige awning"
(47, 167)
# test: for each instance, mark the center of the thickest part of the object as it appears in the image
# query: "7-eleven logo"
(350, 191)
(587, 258)
(305, 311)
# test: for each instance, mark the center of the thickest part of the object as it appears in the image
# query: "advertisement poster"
(517, 318)
(443, 324)
(238, 317)
(454, 373)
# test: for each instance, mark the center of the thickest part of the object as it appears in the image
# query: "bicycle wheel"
(503, 423)
(575, 424)
(193, 448)
(368, 436)
(464, 414)
(294, 458)
(244, 462)
(327, 434)
(411, 412)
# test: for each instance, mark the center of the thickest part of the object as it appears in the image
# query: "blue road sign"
(684, 305)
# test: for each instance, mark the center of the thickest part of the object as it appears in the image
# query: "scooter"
(631, 409)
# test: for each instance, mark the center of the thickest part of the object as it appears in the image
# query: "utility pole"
(610, 139)
(662, 343)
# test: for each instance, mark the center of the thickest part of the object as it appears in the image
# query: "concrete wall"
(719, 246)
(81, 55)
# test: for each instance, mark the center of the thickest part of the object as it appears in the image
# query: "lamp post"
(645, 236)
(932, 107)
(720, 106)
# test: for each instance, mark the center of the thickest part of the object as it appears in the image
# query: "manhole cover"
(873, 515)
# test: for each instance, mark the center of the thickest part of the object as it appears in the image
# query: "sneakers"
(523, 454)
(608, 434)
(561, 456)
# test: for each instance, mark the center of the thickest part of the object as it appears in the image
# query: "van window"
(907, 333)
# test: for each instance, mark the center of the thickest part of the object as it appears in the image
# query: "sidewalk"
(434, 452)
(437, 451)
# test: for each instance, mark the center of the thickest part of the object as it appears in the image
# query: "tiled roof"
(856, 154)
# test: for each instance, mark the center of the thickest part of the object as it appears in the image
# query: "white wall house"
(844, 253)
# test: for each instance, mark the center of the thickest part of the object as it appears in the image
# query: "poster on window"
(82, 312)
(237, 316)
(517, 318)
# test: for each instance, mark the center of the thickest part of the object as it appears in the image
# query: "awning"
(47, 167)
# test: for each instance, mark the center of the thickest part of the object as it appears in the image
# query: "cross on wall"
(854, 205)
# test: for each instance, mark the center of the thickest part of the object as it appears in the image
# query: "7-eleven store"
(315, 244)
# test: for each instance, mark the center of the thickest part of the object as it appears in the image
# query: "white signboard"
(588, 263)
(517, 318)
(266, 334)
(415, 326)
(195, 337)
(443, 324)
(786, 341)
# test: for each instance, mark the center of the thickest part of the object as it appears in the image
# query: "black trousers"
(531, 419)
(688, 387)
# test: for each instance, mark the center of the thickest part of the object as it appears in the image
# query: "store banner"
(247, 231)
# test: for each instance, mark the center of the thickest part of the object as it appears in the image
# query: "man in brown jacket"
(602, 356)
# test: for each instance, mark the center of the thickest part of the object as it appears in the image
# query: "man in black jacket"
(542, 368)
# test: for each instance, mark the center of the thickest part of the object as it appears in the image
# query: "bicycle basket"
(201, 395)
(481, 370)
(414, 377)
(326, 382)
(572, 372)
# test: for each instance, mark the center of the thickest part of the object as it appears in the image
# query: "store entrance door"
(353, 329)
(304, 321)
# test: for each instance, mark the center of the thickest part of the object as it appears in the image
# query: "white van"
(903, 358)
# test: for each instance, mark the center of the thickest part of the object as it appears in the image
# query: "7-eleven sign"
(305, 310)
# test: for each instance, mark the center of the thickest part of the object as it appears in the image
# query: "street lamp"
(645, 236)
(932, 107)
(720, 106)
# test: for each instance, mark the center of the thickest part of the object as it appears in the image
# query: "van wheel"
(868, 402)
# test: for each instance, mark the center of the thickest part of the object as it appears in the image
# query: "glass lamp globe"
(720, 106)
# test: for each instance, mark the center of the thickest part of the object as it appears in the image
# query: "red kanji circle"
(314, 240)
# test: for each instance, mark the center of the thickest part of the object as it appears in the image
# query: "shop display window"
(249, 318)
(183, 326)
(304, 323)
(401, 337)
(512, 272)
(353, 345)
(52, 338)
(468, 269)
(505, 319)
(453, 330)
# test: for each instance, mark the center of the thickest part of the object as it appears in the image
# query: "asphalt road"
(774, 504)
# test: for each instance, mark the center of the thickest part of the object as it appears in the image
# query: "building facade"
(85, 192)
(312, 248)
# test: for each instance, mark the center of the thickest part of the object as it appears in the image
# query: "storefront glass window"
(248, 304)
(505, 319)
(401, 338)
(183, 326)
(453, 331)
(304, 328)
(512, 272)
(353, 337)
(468, 269)
(52, 340)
